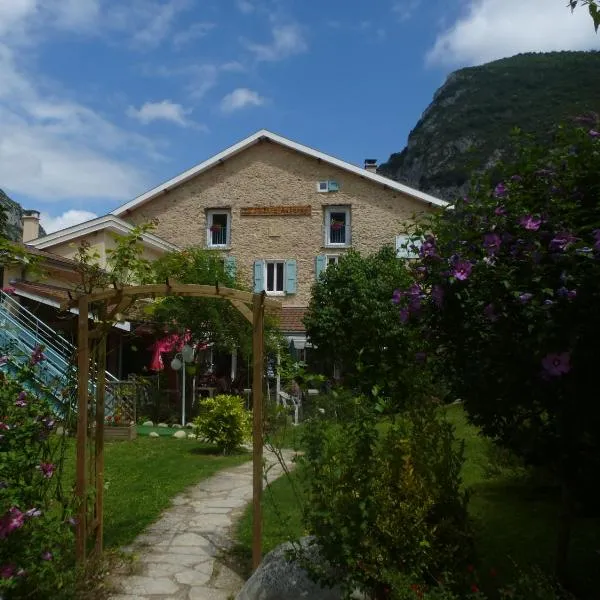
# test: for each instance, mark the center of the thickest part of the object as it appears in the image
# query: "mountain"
(14, 213)
(467, 126)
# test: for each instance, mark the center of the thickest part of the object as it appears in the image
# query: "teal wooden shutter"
(230, 267)
(320, 265)
(290, 276)
(259, 276)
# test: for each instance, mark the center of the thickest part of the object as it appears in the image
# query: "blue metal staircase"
(21, 333)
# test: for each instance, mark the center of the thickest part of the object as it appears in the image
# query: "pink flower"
(462, 270)
(9, 290)
(47, 555)
(47, 469)
(530, 222)
(7, 571)
(12, 520)
(20, 401)
(556, 364)
(500, 190)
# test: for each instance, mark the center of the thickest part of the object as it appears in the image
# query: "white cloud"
(159, 111)
(193, 32)
(245, 6)
(67, 219)
(287, 41)
(405, 9)
(492, 29)
(241, 98)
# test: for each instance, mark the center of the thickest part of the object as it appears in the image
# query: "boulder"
(180, 434)
(176, 426)
(153, 434)
(162, 425)
(190, 425)
(280, 577)
(148, 424)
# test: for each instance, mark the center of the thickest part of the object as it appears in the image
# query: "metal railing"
(337, 235)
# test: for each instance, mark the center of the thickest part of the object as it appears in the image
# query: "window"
(328, 186)
(332, 259)
(322, 186)
(218, 233)
(275, 277)
(337, 226)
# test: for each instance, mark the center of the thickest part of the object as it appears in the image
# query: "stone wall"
(268, 174)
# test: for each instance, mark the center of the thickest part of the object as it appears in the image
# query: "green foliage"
(223, 421)
(467, 126)
(36, 553)
(593, 9)
(507, 305)
(351, 321)
(386, 500)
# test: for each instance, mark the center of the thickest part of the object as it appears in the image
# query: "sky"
(101, 100)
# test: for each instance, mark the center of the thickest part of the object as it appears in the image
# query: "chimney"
(371, 165)
(31, 225)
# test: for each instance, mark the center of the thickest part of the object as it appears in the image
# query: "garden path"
(178, 557)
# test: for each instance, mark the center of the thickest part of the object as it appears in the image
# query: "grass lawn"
(514, 523)
(142, 476)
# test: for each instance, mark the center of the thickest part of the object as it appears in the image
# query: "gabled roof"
(259, 136)
(108, 222)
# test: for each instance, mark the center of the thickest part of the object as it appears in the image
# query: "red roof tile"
(291, 318)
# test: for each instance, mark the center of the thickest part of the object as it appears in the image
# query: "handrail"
(43, 333)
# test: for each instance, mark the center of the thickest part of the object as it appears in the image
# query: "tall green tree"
(351, 321)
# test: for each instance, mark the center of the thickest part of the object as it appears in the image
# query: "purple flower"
(556, 364)
(530, 222)
(462, 270)
(500, 211)
(7, 571)
(525, 297)
(37, 356)
(548, 302)
(516, 178)
(3, 360)
(428, 248)
(491, 242)
(49, 423)
(47, 469)
(437, 295)
(397, 296)
(563, 292)
(500, 190)
(12, 520)
(404, 315)
(593, 133)
(20, 401)
(490, 313)
(33, 512)
(46, 555)
(561, 241)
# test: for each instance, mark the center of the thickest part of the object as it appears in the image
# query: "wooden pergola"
(90, 476)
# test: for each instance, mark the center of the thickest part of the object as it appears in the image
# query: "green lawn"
(515, 523)
(142, 476)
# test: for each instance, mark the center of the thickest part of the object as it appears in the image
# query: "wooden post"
(99, 448)
(257, 425)
(83, 370)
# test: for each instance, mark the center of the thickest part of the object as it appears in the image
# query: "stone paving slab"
(177, 558)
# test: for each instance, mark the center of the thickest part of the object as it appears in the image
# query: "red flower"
(474, 588)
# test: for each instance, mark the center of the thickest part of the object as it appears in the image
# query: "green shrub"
(386, 500)
(223, 421)
(36, 525)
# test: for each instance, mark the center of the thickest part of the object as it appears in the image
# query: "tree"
(593, 8)
(351, 321)
(506, 298)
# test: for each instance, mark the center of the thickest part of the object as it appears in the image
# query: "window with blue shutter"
(290, 276)
(230, 267)
(259, 276)
(320, 265)
(333, 186)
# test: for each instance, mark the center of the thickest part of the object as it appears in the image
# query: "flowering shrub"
(223, 421)
(36, 528)
(383, 502)
(506, 296)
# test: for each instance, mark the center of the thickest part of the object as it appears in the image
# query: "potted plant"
(118, 427)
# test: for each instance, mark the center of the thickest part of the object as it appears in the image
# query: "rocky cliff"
(14, 213)
(467, 126)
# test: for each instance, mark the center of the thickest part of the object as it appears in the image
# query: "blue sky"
(103, 99)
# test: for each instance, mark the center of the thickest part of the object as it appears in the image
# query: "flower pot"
(120, 432)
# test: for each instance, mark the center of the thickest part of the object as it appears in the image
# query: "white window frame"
(337, 209)
(273, 261)
(334, 258)
(320, 189)
(209, 223)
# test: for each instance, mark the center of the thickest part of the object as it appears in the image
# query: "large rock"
(153, 434)
(282, 578)
(180, 434)
(148, 424)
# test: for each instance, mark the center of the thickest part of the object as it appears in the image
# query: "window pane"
(337, 228)
(279, 287)
(270, 276)
(218, 229)
(332, 260)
